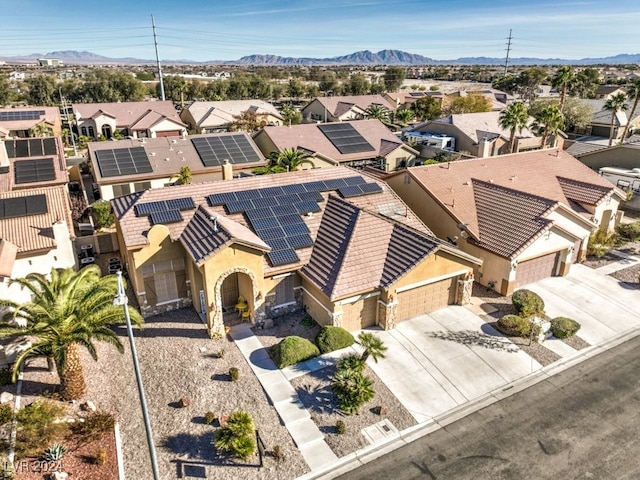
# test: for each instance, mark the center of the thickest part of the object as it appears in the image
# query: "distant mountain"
(365, 57)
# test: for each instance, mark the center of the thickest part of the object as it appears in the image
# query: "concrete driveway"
(438, 361)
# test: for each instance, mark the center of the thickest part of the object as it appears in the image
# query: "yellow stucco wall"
(439, 265)
(317, 304)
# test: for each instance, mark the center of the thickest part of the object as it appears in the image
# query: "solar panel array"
(274, 213)
(345, 138)
(164, 211)
(15, 115)
(235, 148)
(31, 147)
(29, 171)
(123, 161)
(23, 206)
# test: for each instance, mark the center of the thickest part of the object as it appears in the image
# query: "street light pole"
(121, 299)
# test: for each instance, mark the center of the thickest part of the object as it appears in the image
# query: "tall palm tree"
(373, 346)
(291, 159)
(615, 104)
(548, 121)
(514, 118)
(67, 311)
(633, 92)
(378, 112)
(563, 79)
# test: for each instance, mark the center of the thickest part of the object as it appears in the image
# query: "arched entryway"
(233, 284)
(106, 131)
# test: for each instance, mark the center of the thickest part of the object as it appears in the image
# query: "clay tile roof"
(508, 220)
(338, 105)
(387, 146)
(218, 114)
(583, 192)
(207, 232)
(35, 232)
(34, 148)
(356, 250)
(126, 114)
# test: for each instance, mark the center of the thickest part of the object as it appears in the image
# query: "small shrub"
(6, 413)
(341, 428)
(94, 427)
(514, 326)
(6, 376)
(308, 322)
(55, 452)
(292, 350)
(350, 362)
(219, 353)
(234, 374)
(278, 453)
(238, 436)
(103, 214)
(352, 389)
(101, 457)
(209, 418)
(527, 303)
(600, 243)
(37, 426)
(333, 338)
(630, 231)
(563, 327)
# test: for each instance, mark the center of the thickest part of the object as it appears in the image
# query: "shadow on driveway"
(472, 338)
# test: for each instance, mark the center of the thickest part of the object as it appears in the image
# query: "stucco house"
(357, 144)
(342, 108)
(480, 134)
(134, 165)
(209, 117)
(22, 122)
(332, 241)
(528, 215)
(131, 119)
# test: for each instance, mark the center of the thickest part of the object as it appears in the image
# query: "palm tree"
(291, 159)
(373, 346)
(184, 177)
(513, 118)
(563, 79)
(405, 116)
(547, 122)
(633, 92)
(68, 311)
(41, 130)
(616, 103)
(378, 112)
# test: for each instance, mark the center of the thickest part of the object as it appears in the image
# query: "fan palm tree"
(563, 79)
(405, 116)
(67, 311)
(373, 346)
(514, 118)
(615, 104)
(633, 93)
(184, 177)
(291, 159)
(378, 112)
(547, 122)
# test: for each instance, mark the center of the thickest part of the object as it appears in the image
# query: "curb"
(372, 452)
(116, 431)
(14, 420)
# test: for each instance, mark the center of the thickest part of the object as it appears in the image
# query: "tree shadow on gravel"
(197, 446)
(472, 338)
(184, 323)
(319, 397)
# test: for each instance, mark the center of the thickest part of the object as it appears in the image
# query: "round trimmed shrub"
(514, 326)
(563, 327)
(292, 350)
(527, 303)
(6, 413)
(333, 338)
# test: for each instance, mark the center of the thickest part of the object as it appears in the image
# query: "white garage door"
(426, 298)
(536, 269)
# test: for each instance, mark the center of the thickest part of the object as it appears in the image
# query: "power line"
(506, 61)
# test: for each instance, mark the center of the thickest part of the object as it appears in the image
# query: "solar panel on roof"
(354, 180)
(166, 216)
(182, 203)
(29, 171)
(50, 146)
(287, 199)
(123, 161)
(217, 199)
(359, 190)
(262, 202)
(345, 138)
(14, 115)
(23, 206)
(370, 188)
(282, 257)
(300, 241)
(35, 148)
(270, 233)
(148, 208)
(278, 243)
(264, 223)
(295, 229)
(335, 183)
(259, 213)
(317, 186)
(283, 210)
(11, 148)
(295, 188)
(238, 206)
(307, 207)
(271, 191)
(235, 148)
(290, 219)
(22, 148)
(248, 194)
(311, 196)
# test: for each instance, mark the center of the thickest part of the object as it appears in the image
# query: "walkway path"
(306, 435)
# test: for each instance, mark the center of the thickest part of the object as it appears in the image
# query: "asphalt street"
(582, 423)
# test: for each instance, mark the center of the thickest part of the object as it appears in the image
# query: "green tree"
(529, 80)
(393, 78)
(291, 159)
(102, 214)
(548, 121)
(67, 311)
(378, 112)
(175, 88)
(238, 87)
(615, 104)
(5, 91)
(358, 85)
(563, 80)
(41, 130)
(41, 90)
(328, 83)
(427, 108)
(295, 88)
(405, 116)
(215, 91)
(633, 93)
(353, 390)
(505, 83)
(472, 103)
(372, 346)
(247, 121)
(290, 114)
(105, 86)
(514, 118)
(184, 177)
(585, 83)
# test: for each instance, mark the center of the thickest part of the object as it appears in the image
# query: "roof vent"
(153, 154)
(467, 183)
(513, 178)
(173, 140)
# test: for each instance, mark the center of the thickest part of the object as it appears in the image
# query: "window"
(122, 189)
(141, 186)
(83, 131)
(92, 133)
(106, 131)
(284, 290)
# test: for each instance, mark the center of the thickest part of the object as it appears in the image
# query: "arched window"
(92, 133)
(106, 131)
(83, 131)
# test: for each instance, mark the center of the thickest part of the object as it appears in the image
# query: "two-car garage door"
(426, 298)
(536, 269)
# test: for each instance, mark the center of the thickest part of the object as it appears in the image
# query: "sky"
(202, 30)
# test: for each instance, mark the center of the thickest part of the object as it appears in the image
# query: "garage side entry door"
(537, 269)
(426, 298)
(360, 314)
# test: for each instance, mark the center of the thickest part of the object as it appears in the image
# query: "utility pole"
(506, 62)
(155, 42)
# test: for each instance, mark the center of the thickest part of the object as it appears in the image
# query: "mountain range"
(365, 57)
